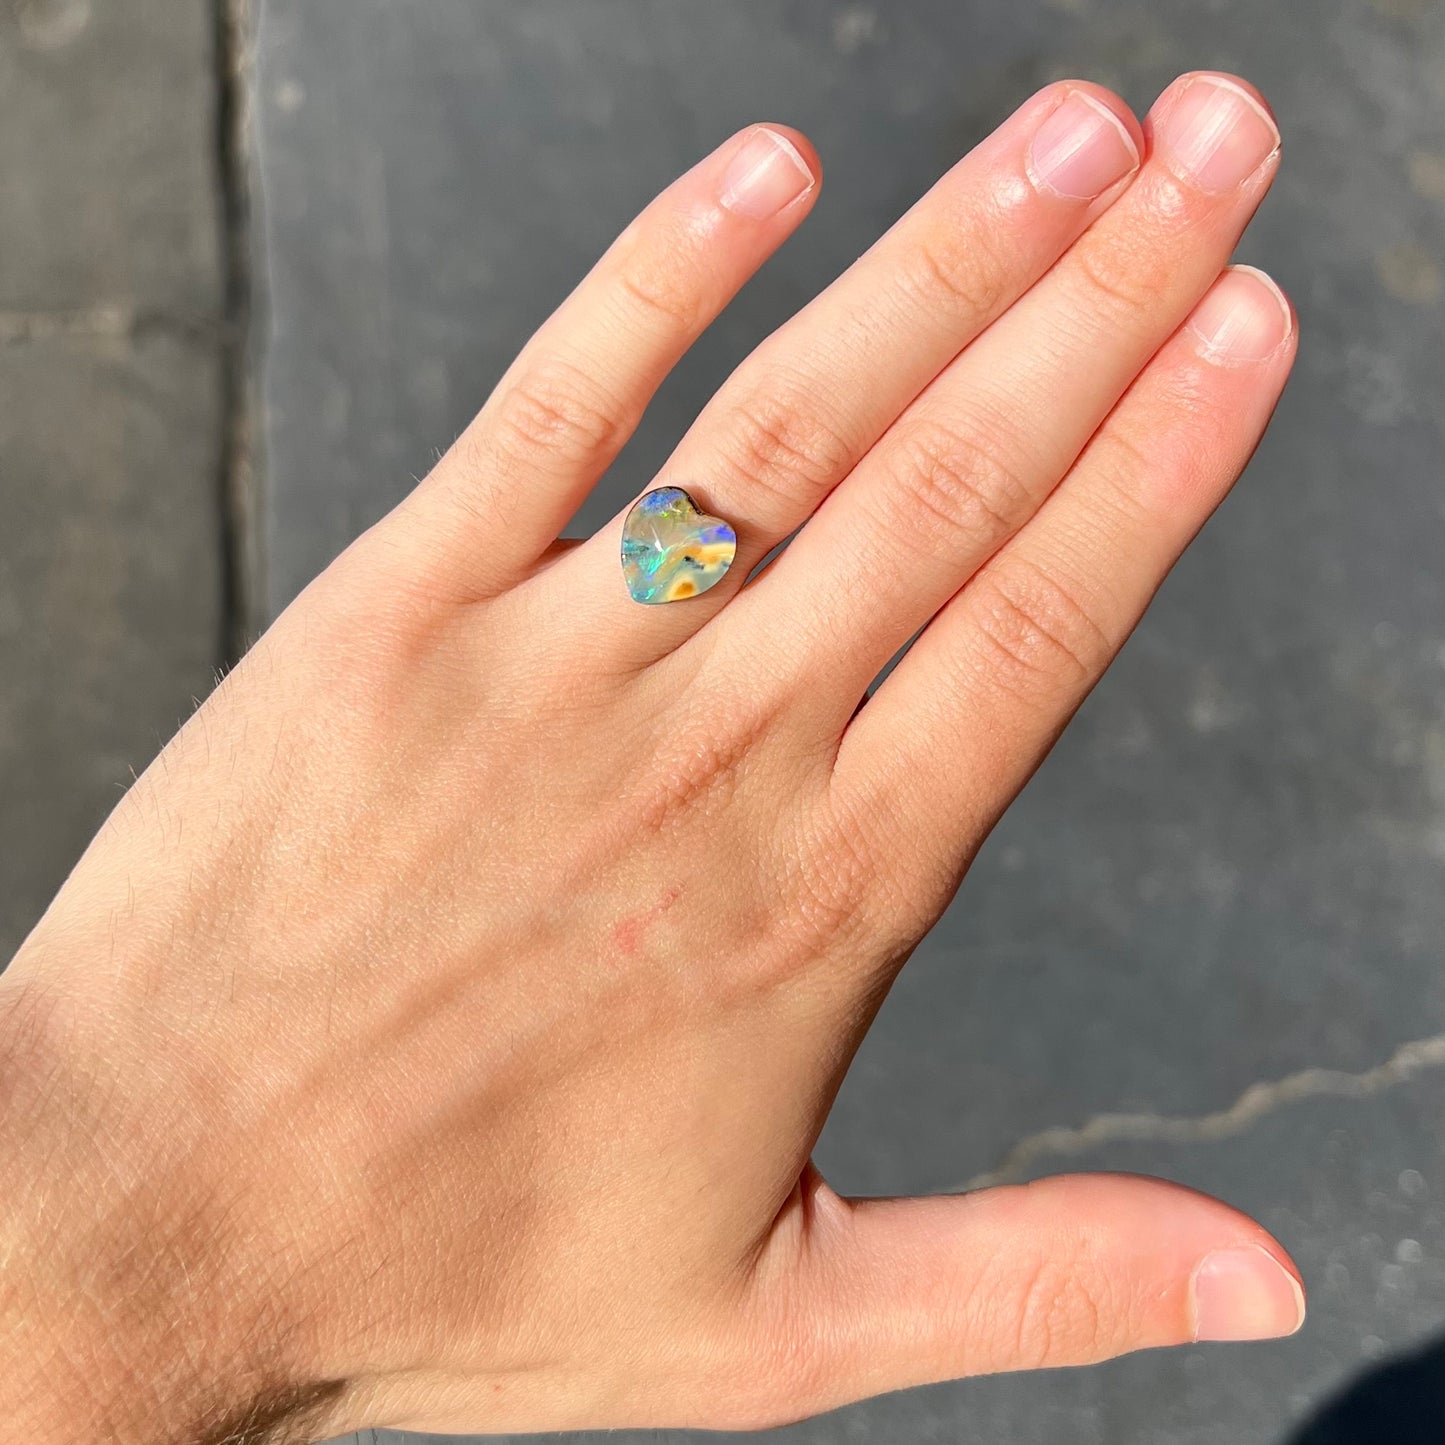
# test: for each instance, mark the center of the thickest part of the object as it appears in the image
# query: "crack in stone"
(1252, 1105)
(108, 322)
(241, 560)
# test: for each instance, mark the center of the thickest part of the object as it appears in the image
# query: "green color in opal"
(671, 550)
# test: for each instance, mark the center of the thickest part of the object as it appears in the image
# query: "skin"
(436, 1035)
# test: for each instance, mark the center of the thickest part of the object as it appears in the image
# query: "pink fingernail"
(1082, 149)
(765, 175)
(1245, 1294)
(1244, 317)
(1217, 133)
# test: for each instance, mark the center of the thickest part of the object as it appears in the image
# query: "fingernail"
(1217, 133)
(764, 176)
(1245, 1294)
(1082, 149)
(1244, 317)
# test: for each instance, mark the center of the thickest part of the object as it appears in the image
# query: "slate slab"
(111, 331)
(1230, 870)
(106, 156)
(110, 602)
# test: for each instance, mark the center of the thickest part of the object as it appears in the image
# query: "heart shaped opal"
(671, 550)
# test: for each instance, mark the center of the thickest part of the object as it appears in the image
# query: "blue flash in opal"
(671, 550)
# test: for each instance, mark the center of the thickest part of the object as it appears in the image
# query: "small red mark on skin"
(628, 934)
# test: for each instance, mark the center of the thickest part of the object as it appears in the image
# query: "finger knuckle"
(1116, 452)
(949, 481)
(1122, 462)
(958, 269)
(1125, 279)
(898, 882)
(557, 409)
(696, 766)
(1039, 632)
(663, 289)
(818, 907)
(703, 755)
(782, 442)
(1064, 1313)
(1178, 433)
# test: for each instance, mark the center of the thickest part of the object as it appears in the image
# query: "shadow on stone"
(1401, 1402)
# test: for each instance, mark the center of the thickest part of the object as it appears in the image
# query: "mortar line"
(236, 482)
(1253, 1104)
(117, 321)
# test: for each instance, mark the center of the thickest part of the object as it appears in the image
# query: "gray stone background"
(256, 269)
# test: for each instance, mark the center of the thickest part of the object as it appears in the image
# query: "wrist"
(127, 1313)
(55, 1364)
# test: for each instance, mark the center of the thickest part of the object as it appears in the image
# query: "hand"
(437, 1033)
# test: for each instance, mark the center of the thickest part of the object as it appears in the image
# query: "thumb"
(887, 1293)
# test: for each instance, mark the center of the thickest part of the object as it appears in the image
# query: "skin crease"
(437, 1034)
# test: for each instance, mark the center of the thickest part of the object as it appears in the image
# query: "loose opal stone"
(670, 550)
